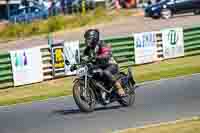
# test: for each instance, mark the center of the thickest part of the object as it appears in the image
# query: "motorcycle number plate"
(81, 72)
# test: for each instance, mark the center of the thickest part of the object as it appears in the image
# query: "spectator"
(130, 3)
(47, 4)
(63, 6)
(66, 6)
(117, 4)
(53, 11)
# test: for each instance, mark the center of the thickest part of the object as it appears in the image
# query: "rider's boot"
(105, 99)
(119, 88)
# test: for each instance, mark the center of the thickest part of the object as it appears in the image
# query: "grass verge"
(63, 87)
(59, 23)
(188, 126)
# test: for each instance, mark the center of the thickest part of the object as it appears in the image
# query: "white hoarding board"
(173, 43)
(72, 55)
(26, 66)
(145, 47)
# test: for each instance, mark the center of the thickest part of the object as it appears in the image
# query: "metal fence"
(192, 41)
(122, 48)
(6, 78)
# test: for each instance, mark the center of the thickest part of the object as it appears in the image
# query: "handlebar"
(83, 62)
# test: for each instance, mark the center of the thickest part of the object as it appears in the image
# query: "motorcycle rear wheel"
(129, 100)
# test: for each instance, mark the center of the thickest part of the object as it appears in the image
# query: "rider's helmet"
(92, 37)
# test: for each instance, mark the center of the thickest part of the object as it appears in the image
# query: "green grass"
(63, 87)
(189, 126)
(38, 91)
(167, 69)
(59, 23)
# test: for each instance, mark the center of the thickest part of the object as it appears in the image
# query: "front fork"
(86, 84)
(85, 93)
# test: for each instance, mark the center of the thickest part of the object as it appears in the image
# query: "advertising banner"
(26, 66)
(173, 43)
(145, 47)
(72, 55)
(58, 59)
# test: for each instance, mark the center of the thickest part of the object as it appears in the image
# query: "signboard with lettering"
(145, 47)
(26, 66)
(64, 55)
(58, 59)
(173, 43)
(72, 55)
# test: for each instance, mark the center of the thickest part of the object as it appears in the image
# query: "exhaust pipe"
(103, 88)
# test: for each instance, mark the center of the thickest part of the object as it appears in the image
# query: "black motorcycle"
(87, 91)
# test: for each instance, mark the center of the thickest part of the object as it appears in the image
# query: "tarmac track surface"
(157, 101)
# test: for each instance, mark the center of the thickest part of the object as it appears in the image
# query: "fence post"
(50, 40)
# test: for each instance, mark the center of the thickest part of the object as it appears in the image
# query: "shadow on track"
(77, 111)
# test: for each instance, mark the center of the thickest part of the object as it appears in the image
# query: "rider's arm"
(86, 51)
(105, 53)
(85, 54)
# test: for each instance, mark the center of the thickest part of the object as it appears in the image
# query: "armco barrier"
(47, 62)
(159, 45)
(192, 41)
(122, 48)
(6, 78)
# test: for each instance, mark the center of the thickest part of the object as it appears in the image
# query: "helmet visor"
(90, 41)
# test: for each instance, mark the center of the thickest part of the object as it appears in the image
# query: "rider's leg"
(110, 73)
(120, 90)
(98, 73)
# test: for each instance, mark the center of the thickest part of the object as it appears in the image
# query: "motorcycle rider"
(102, 54)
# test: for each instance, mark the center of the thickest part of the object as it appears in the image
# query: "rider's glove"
(72, 68)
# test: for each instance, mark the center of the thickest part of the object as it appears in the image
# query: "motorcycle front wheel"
(84, 97)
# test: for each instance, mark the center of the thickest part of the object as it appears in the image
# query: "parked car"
(28, 14)
(167, 8)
